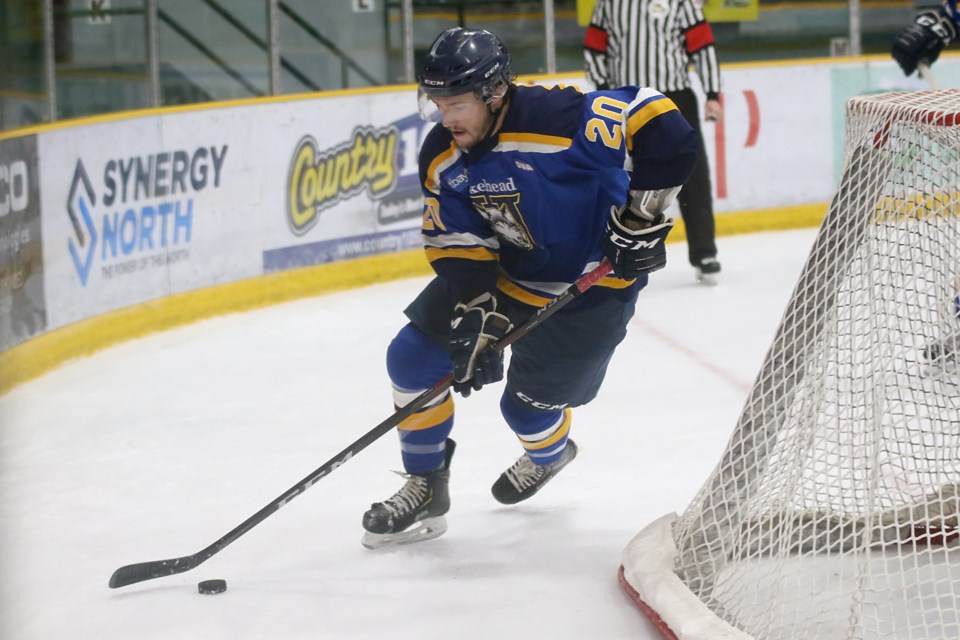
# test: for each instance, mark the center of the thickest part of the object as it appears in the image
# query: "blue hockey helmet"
(462, 60)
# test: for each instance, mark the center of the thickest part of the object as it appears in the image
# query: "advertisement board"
(111, 213)
(140, 209)
(22, 306)
(351, 190)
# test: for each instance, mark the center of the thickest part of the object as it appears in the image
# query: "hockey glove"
(476, 326)
(636, 233)
(923, 40)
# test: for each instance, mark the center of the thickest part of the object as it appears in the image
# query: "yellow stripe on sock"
(429, 417)
(555, 437)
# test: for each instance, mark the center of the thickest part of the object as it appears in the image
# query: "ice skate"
(708, 271)
(414, 513)
(525, 478)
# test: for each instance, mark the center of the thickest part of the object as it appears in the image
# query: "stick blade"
(133, 573)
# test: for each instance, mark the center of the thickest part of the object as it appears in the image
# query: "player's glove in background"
(635, 246)
(475, 327)
(923, 40)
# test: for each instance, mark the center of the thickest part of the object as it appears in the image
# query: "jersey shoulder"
(438, 153)
(952, 8)
(437, 141)
(551, 111)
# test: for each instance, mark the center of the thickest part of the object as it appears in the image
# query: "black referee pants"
(695, 199)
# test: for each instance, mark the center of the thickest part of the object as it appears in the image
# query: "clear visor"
(457, 106)
(427, 107)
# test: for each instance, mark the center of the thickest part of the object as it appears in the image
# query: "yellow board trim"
(132, 114)
(46, 352)
(525, 78)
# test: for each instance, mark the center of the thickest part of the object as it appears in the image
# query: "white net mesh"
(833, 513)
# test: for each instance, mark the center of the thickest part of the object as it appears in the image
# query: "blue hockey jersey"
(951, 8)
(525, 211)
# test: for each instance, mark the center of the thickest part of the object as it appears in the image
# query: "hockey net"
(833, 511)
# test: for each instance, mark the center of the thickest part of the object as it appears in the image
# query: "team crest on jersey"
(505, 220)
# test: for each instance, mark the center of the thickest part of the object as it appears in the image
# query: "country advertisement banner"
(22, 307)
(366, 166)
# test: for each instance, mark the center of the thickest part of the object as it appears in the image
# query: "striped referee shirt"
(651, 43)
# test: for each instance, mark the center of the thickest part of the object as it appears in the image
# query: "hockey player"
(922, 41)
(525, 190)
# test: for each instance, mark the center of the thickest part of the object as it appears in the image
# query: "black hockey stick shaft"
(133, 573)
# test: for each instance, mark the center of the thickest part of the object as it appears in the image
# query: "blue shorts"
(560, 363)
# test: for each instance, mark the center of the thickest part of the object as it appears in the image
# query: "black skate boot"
(414, 513)
(708, 271)
(525, 478)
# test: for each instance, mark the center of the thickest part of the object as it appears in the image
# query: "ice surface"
(157, 447)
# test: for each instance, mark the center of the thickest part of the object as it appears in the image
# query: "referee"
(651, 43)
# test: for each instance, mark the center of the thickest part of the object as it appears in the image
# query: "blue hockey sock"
(542, 433)
(414, 364)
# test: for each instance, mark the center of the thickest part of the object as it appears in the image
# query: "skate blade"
(707, 279)
(426, 529)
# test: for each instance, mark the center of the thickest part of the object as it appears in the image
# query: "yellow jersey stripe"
(644, 115)
(469, 253)
(517, 292)
(533, 142)
(614, 283)
(433, 171)
(536, 138)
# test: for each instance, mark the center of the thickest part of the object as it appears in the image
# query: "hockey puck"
(212, 586)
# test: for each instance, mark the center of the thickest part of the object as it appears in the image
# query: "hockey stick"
(141, 571)
(923, 70)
